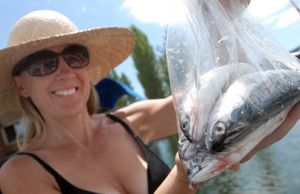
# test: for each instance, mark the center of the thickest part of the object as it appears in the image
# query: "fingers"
(293, 115)
(235, 167)
(180, 169)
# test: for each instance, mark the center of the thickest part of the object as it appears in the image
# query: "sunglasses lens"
(76, 56)
(44, 67)
(76, 60)
(37, 64)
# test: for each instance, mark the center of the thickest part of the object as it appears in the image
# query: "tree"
(146, 65)
(123, 78)
(163, 70)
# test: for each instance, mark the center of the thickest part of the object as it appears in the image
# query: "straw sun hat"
(42, 29)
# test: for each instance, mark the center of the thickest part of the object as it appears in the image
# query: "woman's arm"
(151, 119)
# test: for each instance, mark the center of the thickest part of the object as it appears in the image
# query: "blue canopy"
(110, 91)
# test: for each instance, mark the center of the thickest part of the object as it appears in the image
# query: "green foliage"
(163, 72)
(152, 69)
(126, 99)
(147, 66)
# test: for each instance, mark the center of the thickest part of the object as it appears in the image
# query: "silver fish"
(249, 103)
(251, 108)
(194, 109)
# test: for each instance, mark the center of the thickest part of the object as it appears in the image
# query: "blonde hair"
(35, 124)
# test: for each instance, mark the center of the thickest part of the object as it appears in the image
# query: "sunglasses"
(45, 62)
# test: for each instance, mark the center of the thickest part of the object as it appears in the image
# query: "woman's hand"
(181, 174)
(177, 181)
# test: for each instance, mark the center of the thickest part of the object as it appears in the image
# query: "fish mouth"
(205, 171)
(210, 167)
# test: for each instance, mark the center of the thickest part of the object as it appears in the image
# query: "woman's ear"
(19, 86)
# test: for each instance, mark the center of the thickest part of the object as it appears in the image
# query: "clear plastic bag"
(231, 85)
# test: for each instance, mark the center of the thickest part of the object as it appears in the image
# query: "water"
(275, 170)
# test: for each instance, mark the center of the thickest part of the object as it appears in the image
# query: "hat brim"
(107, 47)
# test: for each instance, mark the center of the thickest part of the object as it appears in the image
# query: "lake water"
(275, 170)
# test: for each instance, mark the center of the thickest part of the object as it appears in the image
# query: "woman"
(67, 147)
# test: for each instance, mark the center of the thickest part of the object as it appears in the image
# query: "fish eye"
(185, 123)
(219, 129)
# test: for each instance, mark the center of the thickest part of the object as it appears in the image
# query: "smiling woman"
(53, 67)
(54, 85)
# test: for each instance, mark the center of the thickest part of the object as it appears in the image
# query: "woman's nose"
(64, 70)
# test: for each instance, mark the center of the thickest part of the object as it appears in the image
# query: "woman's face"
(63, 92)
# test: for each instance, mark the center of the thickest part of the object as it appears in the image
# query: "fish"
(250, 102)
(193, 119)
(252, 107)
(195, 106)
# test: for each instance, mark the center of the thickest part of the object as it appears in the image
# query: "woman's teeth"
(65, 92)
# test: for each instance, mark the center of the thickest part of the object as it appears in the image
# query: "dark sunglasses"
(45, 62)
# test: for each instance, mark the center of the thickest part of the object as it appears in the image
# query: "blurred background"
(144, 75)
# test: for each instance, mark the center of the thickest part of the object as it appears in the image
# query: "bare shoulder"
(21, 174)
(12, 173)
(13, 168)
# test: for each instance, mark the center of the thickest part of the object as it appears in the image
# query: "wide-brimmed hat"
(107, 47)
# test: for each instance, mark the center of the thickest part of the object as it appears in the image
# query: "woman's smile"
(65, 92)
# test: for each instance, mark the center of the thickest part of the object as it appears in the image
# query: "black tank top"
(156, 172)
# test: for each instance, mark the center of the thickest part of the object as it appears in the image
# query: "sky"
(151, 16)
